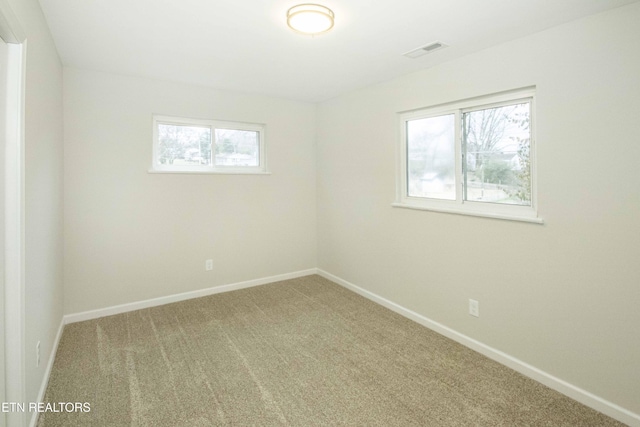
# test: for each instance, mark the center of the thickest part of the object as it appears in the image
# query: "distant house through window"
(192, 145)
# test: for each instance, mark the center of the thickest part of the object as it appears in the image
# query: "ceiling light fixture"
(310, 19)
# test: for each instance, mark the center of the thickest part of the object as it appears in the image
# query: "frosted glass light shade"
(310, 18)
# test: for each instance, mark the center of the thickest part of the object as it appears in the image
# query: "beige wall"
(563, 296)
(43, 192)
(131, 235)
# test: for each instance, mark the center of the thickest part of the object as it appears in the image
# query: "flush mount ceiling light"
(310, 19)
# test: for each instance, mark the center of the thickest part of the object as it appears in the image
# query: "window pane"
(497, 165)
(431, 157)
(237, 147)
(184, 145)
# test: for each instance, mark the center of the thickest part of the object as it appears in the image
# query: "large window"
(190, 145)
(472, 157)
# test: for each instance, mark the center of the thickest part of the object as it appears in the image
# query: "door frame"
(12, 340)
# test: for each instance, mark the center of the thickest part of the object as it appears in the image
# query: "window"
(207, 146)
(473, 157)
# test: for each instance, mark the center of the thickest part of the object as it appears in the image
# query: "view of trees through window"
(237, 147)
(184, 145)
(191, 145)
(497, 164)
(495, 151)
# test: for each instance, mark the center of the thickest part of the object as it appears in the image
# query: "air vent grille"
(431, 47)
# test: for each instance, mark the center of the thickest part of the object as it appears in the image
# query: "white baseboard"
(138, 305)
(570, 390)
(47, 373)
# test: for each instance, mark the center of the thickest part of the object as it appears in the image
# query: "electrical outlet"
(38, 354)
(208, 265)
(474, 308)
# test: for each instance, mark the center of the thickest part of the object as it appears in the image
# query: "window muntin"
(207, 146)
(491, 141)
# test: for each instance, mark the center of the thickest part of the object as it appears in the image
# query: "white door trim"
(14, 236)
(14, 284)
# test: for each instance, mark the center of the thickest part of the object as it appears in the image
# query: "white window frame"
(157, 167)
(460, 206)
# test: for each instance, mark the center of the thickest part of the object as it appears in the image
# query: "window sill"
(216, 172)
(457, 211)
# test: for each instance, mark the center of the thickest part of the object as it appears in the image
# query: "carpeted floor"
(303, 352)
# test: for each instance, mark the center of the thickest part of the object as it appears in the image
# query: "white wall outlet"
(474, 308)
(38, 354)
(208, 265)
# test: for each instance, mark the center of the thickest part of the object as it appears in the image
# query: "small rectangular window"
(472, 157)
(207, 146)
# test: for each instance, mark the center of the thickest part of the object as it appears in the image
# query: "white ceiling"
(245, 45)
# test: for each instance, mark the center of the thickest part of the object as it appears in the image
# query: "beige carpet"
(303, 352)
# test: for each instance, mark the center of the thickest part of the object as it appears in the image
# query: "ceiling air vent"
(431, 47)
